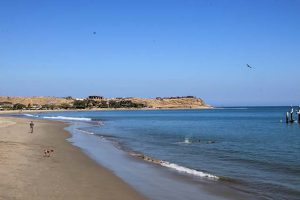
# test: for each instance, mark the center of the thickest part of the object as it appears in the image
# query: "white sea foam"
(187, 141)
(188, 170)
(30, 115)
(69, 118)
(88, 132)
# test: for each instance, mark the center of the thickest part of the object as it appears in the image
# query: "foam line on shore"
(30, 115)
(59, 117)
(175, 167)
(83, 131)
(162, 163)
(188, 170)
(68, 118)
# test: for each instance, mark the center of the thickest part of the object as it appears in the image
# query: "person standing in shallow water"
(299, 114)
(287, 117)
(31, 126)
(292, 112)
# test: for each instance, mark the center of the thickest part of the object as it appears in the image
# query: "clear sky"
(150, 48)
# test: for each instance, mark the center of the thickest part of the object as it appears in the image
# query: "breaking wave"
(69, 118)
(30, 115)
(174, 166)
(188, 170)
(83, 131)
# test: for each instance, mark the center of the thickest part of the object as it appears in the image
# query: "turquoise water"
(252, 148)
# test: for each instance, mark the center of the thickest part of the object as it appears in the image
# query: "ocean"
(250, 151)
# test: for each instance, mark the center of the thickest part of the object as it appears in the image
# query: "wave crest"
(188, 170)
(30, 115)
(83, 131)
(174, 166)
(69, 118)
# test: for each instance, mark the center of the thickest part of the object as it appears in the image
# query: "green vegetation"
(6, 105)
(89, 103)
(65, 106)
(78, 104)
(49, 107)
(19, 106)
(103, 104)
(124, 104)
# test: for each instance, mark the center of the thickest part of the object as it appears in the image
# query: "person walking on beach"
(31, 126)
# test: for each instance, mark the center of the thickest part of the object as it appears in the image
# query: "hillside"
(171, 102)
(35, 100)
(45, 103)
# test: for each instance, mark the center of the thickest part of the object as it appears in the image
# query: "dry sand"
(67, 174)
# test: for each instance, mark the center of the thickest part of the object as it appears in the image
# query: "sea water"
(251, 149)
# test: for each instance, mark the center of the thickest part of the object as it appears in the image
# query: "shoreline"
(67, 174)
(100, 109)
(166, 178)
(171, 181)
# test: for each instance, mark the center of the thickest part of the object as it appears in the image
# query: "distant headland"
(100, 102)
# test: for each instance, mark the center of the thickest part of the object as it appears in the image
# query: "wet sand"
(67, 174)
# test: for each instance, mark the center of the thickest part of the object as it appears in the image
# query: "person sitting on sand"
(31, 126)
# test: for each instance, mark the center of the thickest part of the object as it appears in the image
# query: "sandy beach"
(67, 174)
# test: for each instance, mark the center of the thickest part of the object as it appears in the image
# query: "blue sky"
(152, 48)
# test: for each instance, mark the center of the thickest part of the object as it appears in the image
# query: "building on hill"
(95, 97)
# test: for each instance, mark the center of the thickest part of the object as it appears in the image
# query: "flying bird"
(249, 66)
(94, 32)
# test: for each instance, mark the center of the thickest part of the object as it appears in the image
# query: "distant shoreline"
(99, 109)
(101, 103)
